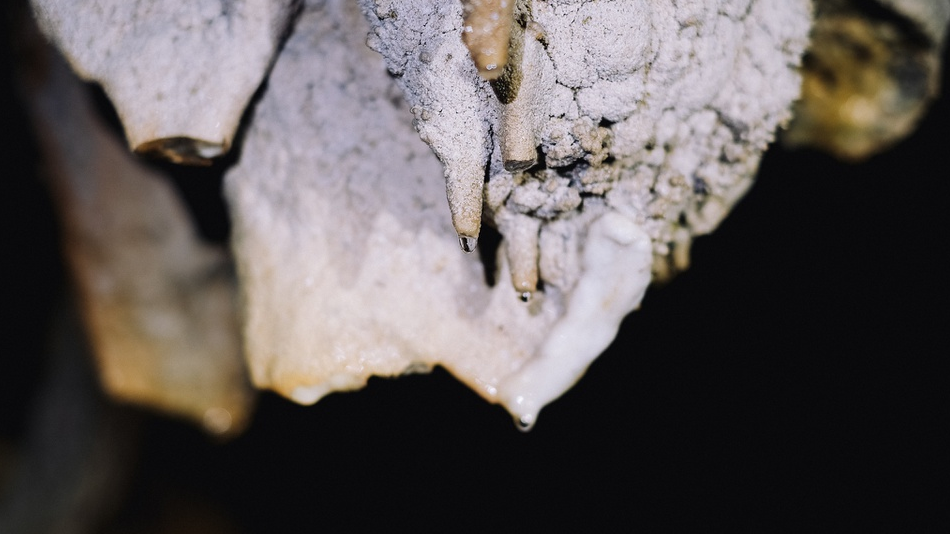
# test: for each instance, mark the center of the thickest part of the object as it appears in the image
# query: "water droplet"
(468, 243)
(525, 423)
(525, 297)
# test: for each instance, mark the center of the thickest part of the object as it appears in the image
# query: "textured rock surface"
(158, 304)
(347, 264)
(617, 132)
(179, 73)
(655, 110)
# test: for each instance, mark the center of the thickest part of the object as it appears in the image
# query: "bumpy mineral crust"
(615, 132)
(621, 129)
(656, 110)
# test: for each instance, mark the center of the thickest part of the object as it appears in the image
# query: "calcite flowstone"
(348, 263)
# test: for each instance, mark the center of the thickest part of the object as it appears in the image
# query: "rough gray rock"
(648, 136)
(179, 73)
(657, 110)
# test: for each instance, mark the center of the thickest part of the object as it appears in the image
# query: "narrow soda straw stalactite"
(463, 188)
(521, 248)
(486, 32)
(520, 89)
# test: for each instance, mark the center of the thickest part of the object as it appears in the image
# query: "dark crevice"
(573, 170)
(200, 188)
(540, 161)
(488, 242)
(700, 186)
(105, 110)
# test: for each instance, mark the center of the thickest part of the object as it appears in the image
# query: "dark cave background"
(791, 379)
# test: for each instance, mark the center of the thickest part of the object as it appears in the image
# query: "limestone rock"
(655, 110)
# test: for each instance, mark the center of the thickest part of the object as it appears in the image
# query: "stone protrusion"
(486, 32)
(178, 73)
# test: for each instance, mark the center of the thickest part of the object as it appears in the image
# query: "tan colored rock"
(158, 303)
(870, 74)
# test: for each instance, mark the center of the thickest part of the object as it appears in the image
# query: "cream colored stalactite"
(525, 109)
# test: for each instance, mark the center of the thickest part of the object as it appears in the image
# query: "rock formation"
(597, 145)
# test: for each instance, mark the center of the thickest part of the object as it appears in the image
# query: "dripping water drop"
(525, 296)
(468, 243)
(525, 423)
